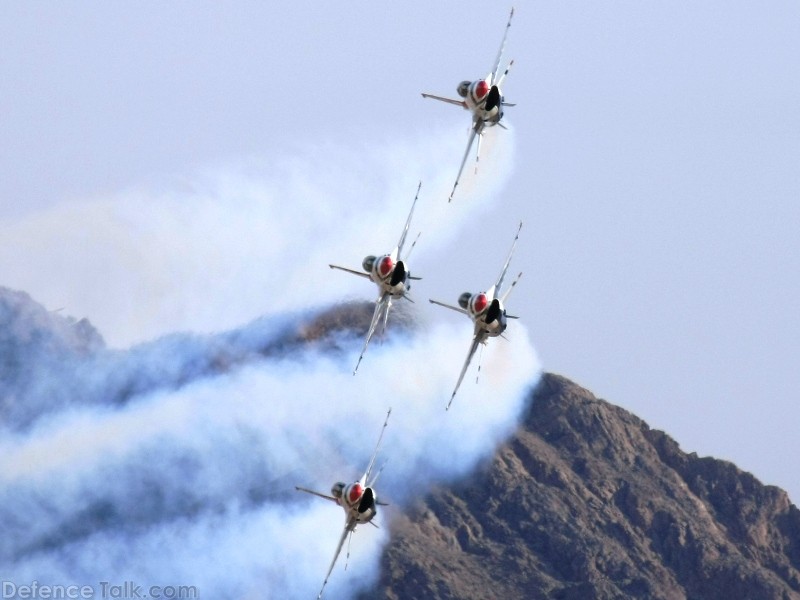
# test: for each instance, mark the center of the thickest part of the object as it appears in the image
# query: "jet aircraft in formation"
(485, 100)
(390, 273)
(359, 501)
(487, 313)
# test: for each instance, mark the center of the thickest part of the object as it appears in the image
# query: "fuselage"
(357, 500)
(486, 312)
(483, 100)
(389, 274)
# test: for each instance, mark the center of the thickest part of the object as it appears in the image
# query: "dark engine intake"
(493, 99)
(495, 313)
(367, 501)
(400, 274)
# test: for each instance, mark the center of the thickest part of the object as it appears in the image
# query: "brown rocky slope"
(585, 501)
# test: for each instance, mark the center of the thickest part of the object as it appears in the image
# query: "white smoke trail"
(227, 246)
(195, 486)
(192, 484)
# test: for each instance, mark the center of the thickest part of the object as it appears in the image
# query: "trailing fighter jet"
(358, 500)
(485, 100)
(391, 275)
(487, 313)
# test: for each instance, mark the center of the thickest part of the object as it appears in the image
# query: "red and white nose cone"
(385, 266)
(479, 303)
(481, 89)
(356, 491)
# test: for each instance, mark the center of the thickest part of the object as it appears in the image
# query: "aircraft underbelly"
(494, 328)
(396, 291)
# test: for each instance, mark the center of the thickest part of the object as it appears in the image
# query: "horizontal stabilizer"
(353, 271)
(460, 103)
(450, 306)
(321, 495)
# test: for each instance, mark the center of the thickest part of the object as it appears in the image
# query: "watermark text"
(127, 590)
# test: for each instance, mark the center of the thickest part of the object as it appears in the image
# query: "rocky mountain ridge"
(586, 501)
(48, 361)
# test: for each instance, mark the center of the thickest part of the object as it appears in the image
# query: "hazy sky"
(654, 158)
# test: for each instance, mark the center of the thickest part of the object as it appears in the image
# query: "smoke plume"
(173, 461)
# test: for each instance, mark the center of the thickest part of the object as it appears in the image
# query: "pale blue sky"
(656, 164)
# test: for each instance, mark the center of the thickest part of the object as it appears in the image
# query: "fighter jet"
(358, 500)
(390, 273)
(487, 313)
(485, 100)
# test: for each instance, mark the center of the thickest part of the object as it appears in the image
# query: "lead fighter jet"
(485, 100)
(390, 273)
(487, 313)
(358, 500)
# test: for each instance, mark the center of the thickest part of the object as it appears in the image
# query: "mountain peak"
(25, 325)
(586, 501)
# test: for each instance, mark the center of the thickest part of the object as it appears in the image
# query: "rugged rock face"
(585, 501)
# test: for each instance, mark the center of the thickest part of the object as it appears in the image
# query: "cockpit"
(337, 489)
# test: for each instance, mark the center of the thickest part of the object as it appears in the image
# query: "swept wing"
(477, 130)
(495, 289)
(476, 340)
(408, 224)
(382, 306)
(349, 527)
(496, 66)
(365, 477)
